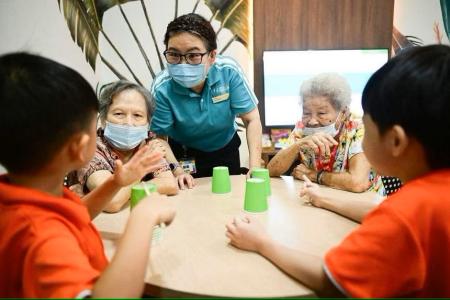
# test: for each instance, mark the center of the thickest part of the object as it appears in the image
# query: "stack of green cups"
(221, 180)
(255, 195)
(263, 174)
(138, 192)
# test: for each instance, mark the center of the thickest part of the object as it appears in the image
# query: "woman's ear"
(398, 140)
(212, 56)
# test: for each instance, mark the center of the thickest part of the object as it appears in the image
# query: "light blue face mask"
(125, 137)
(187, 75)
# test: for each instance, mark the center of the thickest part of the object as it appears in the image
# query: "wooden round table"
(193, 257)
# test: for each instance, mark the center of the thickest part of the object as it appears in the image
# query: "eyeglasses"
(174, 58)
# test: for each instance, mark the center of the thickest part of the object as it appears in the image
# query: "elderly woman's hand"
(302, 170)
(185, 180)
(319, 142)
(140, 164)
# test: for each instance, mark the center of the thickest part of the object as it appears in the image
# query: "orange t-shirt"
(402, 248)
(48, 245)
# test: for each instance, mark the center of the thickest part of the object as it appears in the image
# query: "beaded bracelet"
(161, 170)
(319, 176)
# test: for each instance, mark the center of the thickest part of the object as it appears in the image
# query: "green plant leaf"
(445, 9)
(233, 15)
(400, 41)
(103, 5)
(83, 28)
(84, 19)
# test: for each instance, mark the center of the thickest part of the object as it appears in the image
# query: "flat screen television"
(284, 72)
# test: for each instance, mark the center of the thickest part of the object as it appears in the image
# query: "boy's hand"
(246, 233)
(311, 192)
(137, 167)
(158, 208)
(302, 170)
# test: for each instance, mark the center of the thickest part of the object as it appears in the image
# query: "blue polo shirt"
(203, 121)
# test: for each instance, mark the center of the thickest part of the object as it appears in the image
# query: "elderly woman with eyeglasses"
(326, 145)
(125, 112)
(199, 96)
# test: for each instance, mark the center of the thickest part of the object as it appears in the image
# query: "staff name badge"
(220, 93)
(188, 165)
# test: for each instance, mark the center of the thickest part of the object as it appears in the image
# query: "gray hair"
(331, 85)
(107, 92)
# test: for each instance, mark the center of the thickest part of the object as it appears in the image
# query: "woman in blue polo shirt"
(198, 98)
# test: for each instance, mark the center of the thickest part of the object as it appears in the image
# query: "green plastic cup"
(255, 195)
(221, 180)
(138, 192)
(263, 174)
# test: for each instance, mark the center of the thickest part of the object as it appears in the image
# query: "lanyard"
(185, 153)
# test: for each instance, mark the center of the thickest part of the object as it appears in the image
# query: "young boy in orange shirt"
(402, 247)
(48, 244)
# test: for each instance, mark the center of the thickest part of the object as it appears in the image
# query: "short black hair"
(195, 24)
(413, 90)
(42, 103)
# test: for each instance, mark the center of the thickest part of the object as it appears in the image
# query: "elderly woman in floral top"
(125, 112)
(327, 142)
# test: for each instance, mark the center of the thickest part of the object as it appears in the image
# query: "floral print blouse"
(104, 159)
(349, 140)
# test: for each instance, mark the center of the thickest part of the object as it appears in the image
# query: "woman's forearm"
(166, 184)
(118, 200)
(170, 157)
(254, 137)
(346, 181)
(103, 191)
(283, 160)
(355, 179)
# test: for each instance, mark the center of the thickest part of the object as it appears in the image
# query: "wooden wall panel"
(318, 24)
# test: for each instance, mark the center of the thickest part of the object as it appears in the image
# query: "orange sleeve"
(56, 267)
(380, 259)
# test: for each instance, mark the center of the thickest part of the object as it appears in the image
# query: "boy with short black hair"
(48, 244)
(402, 247)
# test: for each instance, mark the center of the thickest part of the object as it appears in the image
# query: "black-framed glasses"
(192, 58)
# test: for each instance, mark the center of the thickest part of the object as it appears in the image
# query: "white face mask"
(329, 129)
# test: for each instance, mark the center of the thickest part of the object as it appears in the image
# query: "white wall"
(417, 17)
(39, 27)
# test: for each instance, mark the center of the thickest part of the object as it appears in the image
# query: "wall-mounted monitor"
(284, 72)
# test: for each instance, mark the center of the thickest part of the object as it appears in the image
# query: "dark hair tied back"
(195, 24)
